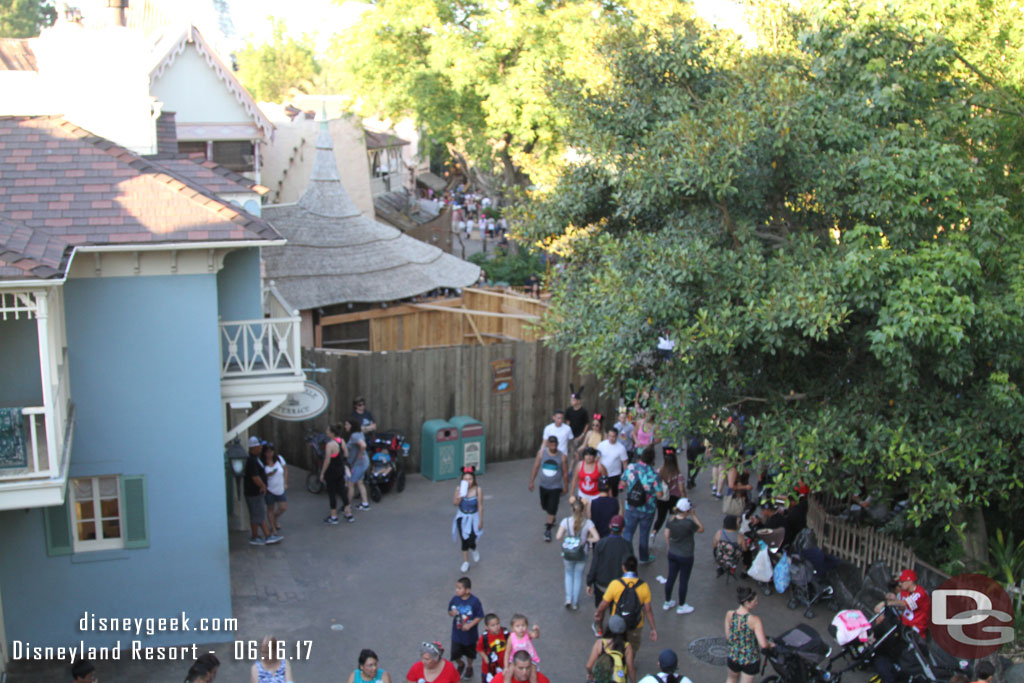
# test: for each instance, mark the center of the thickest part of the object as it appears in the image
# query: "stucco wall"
(20, 380)
(143, 355)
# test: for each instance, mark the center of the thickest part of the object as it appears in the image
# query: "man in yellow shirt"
(613, 596)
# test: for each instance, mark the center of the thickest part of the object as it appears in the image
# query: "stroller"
(387, 451)
(799, 656)
(809, 567)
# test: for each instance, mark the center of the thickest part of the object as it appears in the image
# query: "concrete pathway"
(384, 583)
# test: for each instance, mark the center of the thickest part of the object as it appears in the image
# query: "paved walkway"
(384, 583)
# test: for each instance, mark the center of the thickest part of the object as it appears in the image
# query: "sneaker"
(684, 609)
(461, 666)
(330, 520)
(476, 555)
(575, 608)
(349, 518)
(547, 534)
(647, 561)
(568, 604)
(464, 567)
(274, 538)
(256, 541)
(668, 604)
(596, 629)
(469, 673)
(363, 506)
(714, 490)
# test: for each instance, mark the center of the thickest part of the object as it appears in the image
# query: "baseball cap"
(602, 483)
(254, 441)
(617, 522)
(908, 575)
(616, 624)
(683, 506)
(667, 660)
(802, 489)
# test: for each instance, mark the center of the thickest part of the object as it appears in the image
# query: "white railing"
(268, 346)
(44, 457)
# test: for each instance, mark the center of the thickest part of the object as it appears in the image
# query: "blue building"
(132, 317)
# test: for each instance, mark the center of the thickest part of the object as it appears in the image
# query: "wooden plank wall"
(404, 389)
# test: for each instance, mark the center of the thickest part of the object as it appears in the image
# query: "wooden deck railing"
(858, 545)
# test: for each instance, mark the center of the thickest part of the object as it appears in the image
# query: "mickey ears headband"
(572, 391)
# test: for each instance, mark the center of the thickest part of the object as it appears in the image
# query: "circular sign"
(308, 403)
(972, 616)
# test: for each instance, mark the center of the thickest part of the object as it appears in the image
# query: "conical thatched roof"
(337, 255)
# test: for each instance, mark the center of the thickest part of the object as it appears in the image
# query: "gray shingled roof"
(27, 254)
(337, 255)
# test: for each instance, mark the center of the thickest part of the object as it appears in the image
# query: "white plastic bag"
(761, 570)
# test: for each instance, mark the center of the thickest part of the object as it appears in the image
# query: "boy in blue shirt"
(466, 612)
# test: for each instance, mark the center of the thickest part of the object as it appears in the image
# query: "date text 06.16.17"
(298, 650)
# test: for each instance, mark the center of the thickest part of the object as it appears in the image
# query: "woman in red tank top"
(584, 480)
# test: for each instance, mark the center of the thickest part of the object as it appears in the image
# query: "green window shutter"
(136, 516)
(57, 520)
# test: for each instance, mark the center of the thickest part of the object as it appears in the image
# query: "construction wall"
(477, 317)
(404, 389)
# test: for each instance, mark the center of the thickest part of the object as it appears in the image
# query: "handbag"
(733, 505)
(572, 546)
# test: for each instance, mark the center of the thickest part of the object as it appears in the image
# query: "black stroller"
(809, 568)
(799, 656)
(388, 452)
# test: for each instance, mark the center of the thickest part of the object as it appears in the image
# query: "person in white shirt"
(668, 662)
(612, 454)
(559, 429)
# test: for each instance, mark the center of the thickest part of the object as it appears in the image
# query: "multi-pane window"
(96, 510)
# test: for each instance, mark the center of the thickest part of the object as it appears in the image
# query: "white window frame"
(89, 545)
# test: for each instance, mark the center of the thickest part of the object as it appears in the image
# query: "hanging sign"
(307, 404)
(503, 375)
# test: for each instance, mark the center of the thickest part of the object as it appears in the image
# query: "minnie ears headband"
(469, 469)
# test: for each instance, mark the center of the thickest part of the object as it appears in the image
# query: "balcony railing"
(263, 347)
(48, 435)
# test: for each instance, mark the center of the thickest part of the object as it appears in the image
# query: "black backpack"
(637, 496)
(628, 606)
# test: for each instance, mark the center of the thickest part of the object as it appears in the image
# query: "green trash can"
(440, 450)
(471, 432)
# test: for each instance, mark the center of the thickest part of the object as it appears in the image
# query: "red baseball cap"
(908, 575)
(802, 489)
(617, 522)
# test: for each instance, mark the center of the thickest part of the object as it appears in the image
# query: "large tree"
(273, 70)
(25, 18)
(832, 237)
(476, 74)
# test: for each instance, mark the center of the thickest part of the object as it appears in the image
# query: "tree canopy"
(830, 231)
(271, 71)
(25, 18)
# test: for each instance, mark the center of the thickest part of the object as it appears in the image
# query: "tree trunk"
(974, 536)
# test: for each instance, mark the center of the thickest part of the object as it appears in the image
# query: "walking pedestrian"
(585, 478)
(554, 481)
(642, 486)
(332, 474)
(522, 670)
(604, 507)
(624, 428)
(745, 635)
(466, 612)
(576, 415)
(369, 670)
(676, 483)
(558, 429)
(270, 667)
(668, 662)
(358, 463)
(679, 538)
(619, 665)
(469, 516)
(432, 667)
(606, 565)
(616, 596)
(591, 437)
(204, 669)
(577, 534)
(276, 470)
(613, 457)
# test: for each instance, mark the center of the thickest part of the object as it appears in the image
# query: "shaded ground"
(387, 579)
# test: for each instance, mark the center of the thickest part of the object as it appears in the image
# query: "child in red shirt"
(491, 647)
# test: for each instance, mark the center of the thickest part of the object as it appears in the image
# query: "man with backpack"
(668, 662)
(606, 564)
(630, 598)
(642, 486)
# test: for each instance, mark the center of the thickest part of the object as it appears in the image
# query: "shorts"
(613, 485)
(463, 650)
(585, 496)
(358, 470)
(272, 498)
(749, 669)
(257, 509)
(635, 637)
(549, 500)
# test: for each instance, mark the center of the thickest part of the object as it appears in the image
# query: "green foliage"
(25, 18)
(831, 234)
(512, 268)
(271, 71)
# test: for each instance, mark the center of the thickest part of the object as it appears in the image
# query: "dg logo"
(972, 616)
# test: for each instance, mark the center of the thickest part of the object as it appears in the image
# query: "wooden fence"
(478, 316)
(404, 389)
(858, 545)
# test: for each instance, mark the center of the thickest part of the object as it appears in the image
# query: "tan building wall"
(288, 159)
